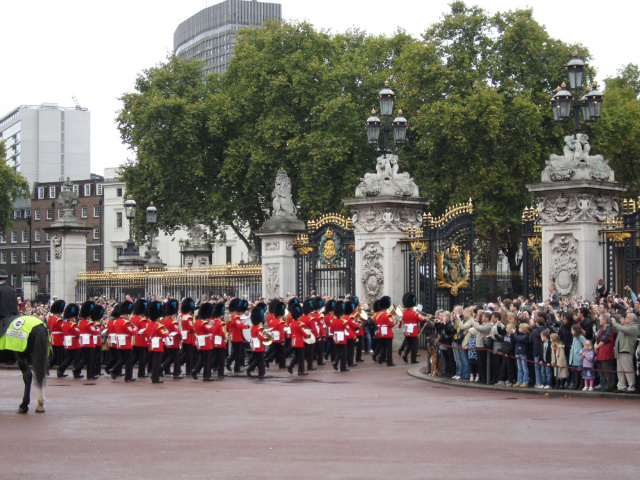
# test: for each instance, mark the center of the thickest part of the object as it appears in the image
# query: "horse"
(34, 344)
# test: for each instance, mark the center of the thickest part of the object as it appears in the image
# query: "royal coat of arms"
(330, 248)
(453, 269)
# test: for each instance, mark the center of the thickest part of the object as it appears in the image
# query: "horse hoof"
(39, 411)
(22, 410)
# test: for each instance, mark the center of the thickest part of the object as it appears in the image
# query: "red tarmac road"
(371, 422)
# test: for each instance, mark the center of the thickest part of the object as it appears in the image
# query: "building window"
(47, 256)
(14, 236)
(52, 192)
(96, 212)
(76, 189)
(40, 193)
(119, 220)
(36, 256)
(47, 237)
(14, 279)
(84, 212)
(36, 235)
(47, 282)
(87, 189)
(3, 238)
(96, 233)
(229, 256)
(99, 189)
(14, 257)
(36, 214)
(59, 212)
(49, 214)
(25, 236)
(118, 192)
(96, 254)
(25, 257)
(17, 215)
(119, 251)
(3, 257)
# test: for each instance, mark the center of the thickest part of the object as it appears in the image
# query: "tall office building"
(47, 143)
(210, 34)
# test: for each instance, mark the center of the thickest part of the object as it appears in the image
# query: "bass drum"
(246, 332)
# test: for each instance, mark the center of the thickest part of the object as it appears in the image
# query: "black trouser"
(379, 350)
(236, 357)
(320, 346)
(449, 361)
(172, 355)
(404, 345)
(141, 356)
(330, 349)
(126, 359)
(257, 359)
(276, 353)
(69, 356)
(188, 356)
(309, 354)
(351, 345)
(204, 361)
(359, 348)
(608, 377)
(496, 367)
(155, 359)
(219, 355)
(97, 356)
(113, 359)
(57, 356)
(388, 350)
(89, 359)
(298, 358)
(340, 356)
(482, 365)
(411, 347)
(508, 369)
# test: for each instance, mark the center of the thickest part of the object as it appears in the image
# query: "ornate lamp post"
(398, 126)
(565, 101)
(130, 213)
(154, 259)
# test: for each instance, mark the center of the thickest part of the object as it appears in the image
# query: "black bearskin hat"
(242, 306)
(140, 306)
(218, 310)
(376, 306)
(154, 310)
(234, 304)
(257, 313)
(296, 311)
(126, 307)
(349, 307)
(115, 311)
(279, 310)
(86, 308)
(58, 306)
(307, 306)
(187, 305)
(205, 310)
(272, 305)
(328, 308)
(97, 313)
(338, 308)
(71, 311)
(385, 303)
(409, 300)
(292, 301)
(171, 307)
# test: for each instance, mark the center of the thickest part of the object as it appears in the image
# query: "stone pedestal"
(379, 225)
(278, 234)
(578, 192)
(68, 257)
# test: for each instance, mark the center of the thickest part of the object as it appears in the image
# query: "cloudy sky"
(52, 50)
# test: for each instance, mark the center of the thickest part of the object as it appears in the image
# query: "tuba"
(268, 336)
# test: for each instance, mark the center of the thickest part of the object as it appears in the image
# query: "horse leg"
(26, 377)
(40, 407)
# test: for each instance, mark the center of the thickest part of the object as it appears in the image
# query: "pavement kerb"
(420, 372)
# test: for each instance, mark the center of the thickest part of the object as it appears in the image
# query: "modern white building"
(210, 34)
(47, 143)
(170, 246)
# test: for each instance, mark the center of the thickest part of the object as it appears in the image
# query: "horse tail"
(40, 353)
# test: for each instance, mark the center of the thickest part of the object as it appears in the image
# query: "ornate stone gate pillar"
(577, 193)
(385, 205)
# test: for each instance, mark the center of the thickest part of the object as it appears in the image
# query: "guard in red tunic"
(275, 324)
(297, 336)
(410, 320)
(56, 334)
(350, 328)
(237, 307)
(97, 318)
(204, 332)
(257, 340)
(140, 343)
(339, 330)
(125, 333)
(188, 356)
(219, 339)
(112, 339)
(359, 322)
(155, 333)
(385, 325)
(172, 342)
(321, 335)
(88, 332)
(330, 348)
(71, 342)
(309, 324)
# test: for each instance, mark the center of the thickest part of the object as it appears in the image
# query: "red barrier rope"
(529, 361)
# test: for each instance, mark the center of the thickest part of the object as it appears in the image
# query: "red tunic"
(97, 339)
(277, 329)
(125, 333)
(328, 319)
(71, 335)
(155, 332)
(385, 325)
(219, 335)
(410, 319)
(55, 327)
(339, 331)
(141, 340)
(235, 327)
(297, 334)
(257, 339)
(171, 325)
(204, 332)
(88, 332)
(352, 326)
(113, 338)
(187, 329)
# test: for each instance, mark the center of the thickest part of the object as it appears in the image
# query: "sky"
(53, 50)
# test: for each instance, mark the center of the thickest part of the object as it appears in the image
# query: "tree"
(12, 187)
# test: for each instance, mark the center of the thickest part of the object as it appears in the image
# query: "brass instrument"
(311, 339)
(394, 311)
(266, 333)
(361, 315)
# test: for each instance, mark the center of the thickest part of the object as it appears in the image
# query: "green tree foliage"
(12, 186)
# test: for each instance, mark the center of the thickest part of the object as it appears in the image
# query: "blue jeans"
(538, 369)
(457, 357)
(465, 364)
(546, 375)
(367, 340)
(523, 370)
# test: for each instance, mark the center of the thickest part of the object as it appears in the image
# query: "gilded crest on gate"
(330, 248)
(453, 269)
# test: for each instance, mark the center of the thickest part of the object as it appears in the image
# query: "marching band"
(162, 337)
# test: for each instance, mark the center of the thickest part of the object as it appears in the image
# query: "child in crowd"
(546, 374)
(473, 356)
(578, 339)
(588, 356)
(558, 361)
(507, 372)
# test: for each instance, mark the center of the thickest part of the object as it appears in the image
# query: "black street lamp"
(152, 218)
(130, 213)
(398, 126)
(564, 102)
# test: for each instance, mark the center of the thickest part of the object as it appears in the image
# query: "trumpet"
(394, 310)
(361, 315)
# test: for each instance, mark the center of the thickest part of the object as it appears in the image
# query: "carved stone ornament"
(272, 283)
(272, 246)
(564, 270)
(289, 245)
(453, 269)
(196, 236)
(57, 247)
(576, 163)
(387, 182)
(372, 273)
(67, 199)
(386, 219)
(282, 203)
(577, 208)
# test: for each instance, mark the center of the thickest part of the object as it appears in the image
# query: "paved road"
(372, 422)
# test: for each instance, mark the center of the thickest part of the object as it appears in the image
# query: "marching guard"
(71, 342)
(155, 333)
(140, 343)
(188, 357)
(204, 332)
(124, 333)
(88, 333)
(257, 340)
(56, 337)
